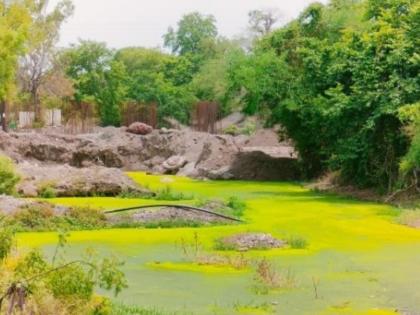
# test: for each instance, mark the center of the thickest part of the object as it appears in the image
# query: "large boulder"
(67, 181)
(139, 128)
(174, 164)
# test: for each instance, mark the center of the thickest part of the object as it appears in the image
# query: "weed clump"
(47, 190)
(168, 194)
(267, 278)
(297, 242)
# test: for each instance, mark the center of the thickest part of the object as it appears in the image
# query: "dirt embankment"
(181, 152)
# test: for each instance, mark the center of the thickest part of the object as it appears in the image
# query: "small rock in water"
(248, 241)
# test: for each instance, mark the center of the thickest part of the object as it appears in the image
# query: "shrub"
(65, 288)
(34, 218)
(47, 190)
(237, 205)
(71, 281)
(6, 242)
(8, 176)
(85, 218)
(233, 206)
(232, 130)
(168, 194)
(297, 242)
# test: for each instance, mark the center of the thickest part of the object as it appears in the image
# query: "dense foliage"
(14, 23)
(336, 78)
(57, 286)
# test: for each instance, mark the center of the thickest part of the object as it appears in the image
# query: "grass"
(350, 242)
(297, 242)
(168, 194)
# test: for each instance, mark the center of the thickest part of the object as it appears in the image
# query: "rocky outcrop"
(67, 181)
(181, 152)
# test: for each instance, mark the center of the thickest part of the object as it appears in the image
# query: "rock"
(10, 205)
(223, 173)
(207, 155)
(174, 164)
(248, 241)
(139, 128)
(67, 181)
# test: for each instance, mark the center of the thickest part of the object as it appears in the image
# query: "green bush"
(71, 281)
(297, 242)
(237, 205)
(47, 190)
(8, 176)
(168, 194)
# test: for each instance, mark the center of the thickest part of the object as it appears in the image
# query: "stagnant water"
(358, 260)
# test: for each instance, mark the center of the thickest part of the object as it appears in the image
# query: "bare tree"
(44, 35)
(261, 22)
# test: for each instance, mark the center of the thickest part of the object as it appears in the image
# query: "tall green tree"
(192, 32)
(156, 77)
(337, 83)
(97, 77)
(193, 39)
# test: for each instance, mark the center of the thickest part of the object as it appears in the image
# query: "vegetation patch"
(8, 176)
(43, 217)
(32, 283)
(267, 278)
(297, 242)
(168, 194)
(231, 206)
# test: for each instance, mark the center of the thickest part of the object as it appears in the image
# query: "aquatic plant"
(297, 242)
(268, 278)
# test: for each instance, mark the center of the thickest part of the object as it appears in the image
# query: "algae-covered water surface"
(354, 258)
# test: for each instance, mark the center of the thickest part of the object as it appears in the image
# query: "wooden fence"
(135, 112)
(50, 117)
(205, 116)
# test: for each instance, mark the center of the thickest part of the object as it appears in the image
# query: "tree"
(337, 84)
(261, 22)
(156, 77)
(194, 31)
(44, 35)
(14, 23)
(97, 77)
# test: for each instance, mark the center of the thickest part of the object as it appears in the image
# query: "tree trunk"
(36, 103)
(3, 117)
